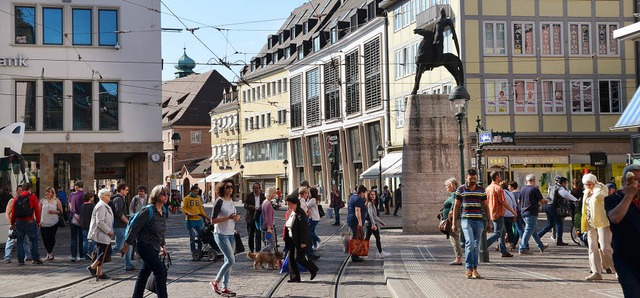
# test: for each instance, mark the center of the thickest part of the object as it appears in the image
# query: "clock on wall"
(155, 157)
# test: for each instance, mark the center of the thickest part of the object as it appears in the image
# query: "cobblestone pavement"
(417, 267)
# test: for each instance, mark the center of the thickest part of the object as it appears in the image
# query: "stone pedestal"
(430, 156)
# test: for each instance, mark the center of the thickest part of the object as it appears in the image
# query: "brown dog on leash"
(265, 257)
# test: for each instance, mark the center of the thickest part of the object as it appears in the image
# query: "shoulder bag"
(358, 246)
(151, 286)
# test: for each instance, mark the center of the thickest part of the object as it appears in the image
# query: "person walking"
(373, 223)
(513, 188)
(498, 205)
(76, 199)
(385, 197)
(336, 204)
(268, 220)
(357, 212)
(398, 199)
(101, 232)
(120, 222)
(51, 209)
(85, 221)
(559, 197)
(471, 198)
(530, 201)
(138, 201)
(149, 236)
(193, 217)
(509, 217)
(224, 220)
(623, 211)
(11, 238)
(297, 239)
(252, 204)
(451, 185)
(25, 220)
(595, 222)
(314, 218)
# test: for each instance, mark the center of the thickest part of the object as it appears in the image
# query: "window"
(581, 96)
(282, 116)
(399, 64)
(262, 151)
(26, 104)
(263, 122)
(551, 39)
(316, 44)
(284, 85)
(300, 52)
(375, 139)
(279, 86)
(494, 38)
(109, 112)
(497, 96)
(52, 105)
(373, 81)
(25, 24)
(269, 119)
(397, 19)
(414, 10)
(273, 88)
(313, 98)
(354, 139)
(298, 158)
(246, 124)
(296, 101)
(552, 97)
(609, 96)
(268, 89)
(332, 89)
(334, 35)
(195, 137)
(257, 120)
(406, 14)
(400, 112)
(523, 38)
(82, 106)
(52, 25)
(525, 97)
(81, 26)
(352, 82)
(314, 150)
(579, 39)
(107, 27)
(244, 95)
(607, 45)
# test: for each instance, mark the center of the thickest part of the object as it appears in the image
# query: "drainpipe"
(385, 43)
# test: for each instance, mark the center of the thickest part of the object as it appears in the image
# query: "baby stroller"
(206, 245)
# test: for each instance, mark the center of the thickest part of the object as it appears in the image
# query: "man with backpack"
(137, 203)
(120, 221)
(11, 240)
(25, 220)
(558, 199)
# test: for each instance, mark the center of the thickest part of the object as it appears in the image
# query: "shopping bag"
(166, 260)
(358, 246)
(239, 245)
(284, 268)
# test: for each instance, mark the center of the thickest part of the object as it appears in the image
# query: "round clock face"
(155, 157)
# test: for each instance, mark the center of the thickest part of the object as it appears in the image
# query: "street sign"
(503, 138)
(485, 137)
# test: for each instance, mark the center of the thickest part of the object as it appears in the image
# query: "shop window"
(82, 25)
(497, 96)
(82, 106)
(356, 149)
(26, 104)
(52, 106)
(494, 38)
(375, 139)
(297, 151)
(52, 25)
(109, 113)
(314, 151)
(25, 24)
(551, 39)
(107, 26)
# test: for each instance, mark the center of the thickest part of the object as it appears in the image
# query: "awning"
(387, 162)
(223, 176)
(631, 116)
(394, 171)
(209, 178)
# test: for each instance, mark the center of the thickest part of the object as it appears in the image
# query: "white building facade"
(76, 75)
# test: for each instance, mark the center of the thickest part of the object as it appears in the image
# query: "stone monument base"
(430, 156)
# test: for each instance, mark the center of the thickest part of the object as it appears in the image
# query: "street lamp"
(458, 97)
(175, 142)
(380, 151)
(241, 182)
(285, 185)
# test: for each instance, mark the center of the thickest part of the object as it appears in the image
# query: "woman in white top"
(596, 223)
(373, 223)
(224, 220)
(101, 232)
(50, 208)
(314, 215)
(509, 222)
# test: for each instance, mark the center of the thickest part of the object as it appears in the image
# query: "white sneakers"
(382, 255)
(594, 276)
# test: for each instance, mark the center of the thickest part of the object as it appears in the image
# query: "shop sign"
(496, 137)
(496, 161)
(19, 61)
(598, 158)
(485, 137)
(539, 160)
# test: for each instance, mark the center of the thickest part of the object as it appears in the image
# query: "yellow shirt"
(192, 205)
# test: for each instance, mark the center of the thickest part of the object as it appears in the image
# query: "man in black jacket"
(294, 193)
(253, 202)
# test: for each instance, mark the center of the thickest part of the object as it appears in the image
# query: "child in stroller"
(206, 245)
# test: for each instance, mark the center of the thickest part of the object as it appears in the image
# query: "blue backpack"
(148, 208)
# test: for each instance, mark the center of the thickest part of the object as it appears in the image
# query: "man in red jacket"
(25, 220)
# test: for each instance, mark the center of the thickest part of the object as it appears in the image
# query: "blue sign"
(485, 137)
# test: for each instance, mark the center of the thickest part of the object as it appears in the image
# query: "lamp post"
(285, 185)
(331, 158)
(459, 96)
(241, 182)
(380, 151)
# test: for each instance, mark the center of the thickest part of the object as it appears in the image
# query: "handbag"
(284, 268)
(239, 244)
(151, 286)
(445, 223)
(321, 211)
(61, 223)
(358, 246)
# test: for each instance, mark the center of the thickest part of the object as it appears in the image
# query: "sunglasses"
(228, 186)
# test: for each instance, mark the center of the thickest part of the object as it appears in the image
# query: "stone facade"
(430, 156)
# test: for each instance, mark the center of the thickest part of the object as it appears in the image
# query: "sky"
(244, 24)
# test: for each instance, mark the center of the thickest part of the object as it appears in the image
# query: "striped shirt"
(472, 201)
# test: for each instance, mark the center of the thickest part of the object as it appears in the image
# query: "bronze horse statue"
(430, 56)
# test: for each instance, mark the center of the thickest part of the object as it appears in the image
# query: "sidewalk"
(419, 267)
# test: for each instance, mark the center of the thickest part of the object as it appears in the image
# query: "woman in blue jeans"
(314, 216)
(224, 219)
(148, 230)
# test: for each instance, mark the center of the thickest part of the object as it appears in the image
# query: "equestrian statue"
(430, 54)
